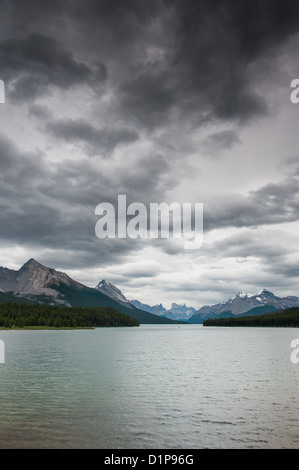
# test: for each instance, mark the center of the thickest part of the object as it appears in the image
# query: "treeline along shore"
(13, 315)
(283, 318)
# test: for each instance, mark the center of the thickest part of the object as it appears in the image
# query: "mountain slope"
(6, 297)
(41, 284)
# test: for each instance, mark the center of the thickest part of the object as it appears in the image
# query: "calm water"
(148, 387)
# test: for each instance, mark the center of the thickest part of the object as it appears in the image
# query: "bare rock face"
(33, 279)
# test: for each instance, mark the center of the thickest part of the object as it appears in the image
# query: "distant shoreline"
(288, 318)
(19, 328)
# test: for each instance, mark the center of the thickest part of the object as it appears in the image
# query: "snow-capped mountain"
(37, 283)
(113, 292)
(243, 303)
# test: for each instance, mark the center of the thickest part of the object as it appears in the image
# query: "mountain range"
(241, 304)
(176, 311)
(36, 283)
(245, 304)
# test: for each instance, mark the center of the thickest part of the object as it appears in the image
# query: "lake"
(149, 387)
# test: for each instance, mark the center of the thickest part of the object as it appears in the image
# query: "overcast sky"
(161, 100)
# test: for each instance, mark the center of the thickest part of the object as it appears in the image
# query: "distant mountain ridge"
(243, 303)
(36, 283)
(175, 312)
(240, 305)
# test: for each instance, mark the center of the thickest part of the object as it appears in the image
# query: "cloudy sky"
(167, 100)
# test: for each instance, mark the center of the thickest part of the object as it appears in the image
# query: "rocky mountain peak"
(31, 265)
(33, 279)
(113, 292)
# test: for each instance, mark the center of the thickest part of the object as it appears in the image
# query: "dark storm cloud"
(217, 43)
(32, 64)
(95, 141)
(203, 68)
(163, 62)
(149, 97)
(206, 71)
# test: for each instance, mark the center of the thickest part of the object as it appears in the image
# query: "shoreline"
(2, 328)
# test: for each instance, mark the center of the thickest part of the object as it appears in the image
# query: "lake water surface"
(153, 386)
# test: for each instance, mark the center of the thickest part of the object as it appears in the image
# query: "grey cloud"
(249, 244)
(40, 112)
(216, 144)
(285, 268)
(15, 168)
(95, 141)
(141, 272)
(273, 250)
(53, 208)
(149, 179)
(271, 204)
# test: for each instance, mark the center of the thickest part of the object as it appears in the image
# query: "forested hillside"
(39, 315)
(285, 318)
